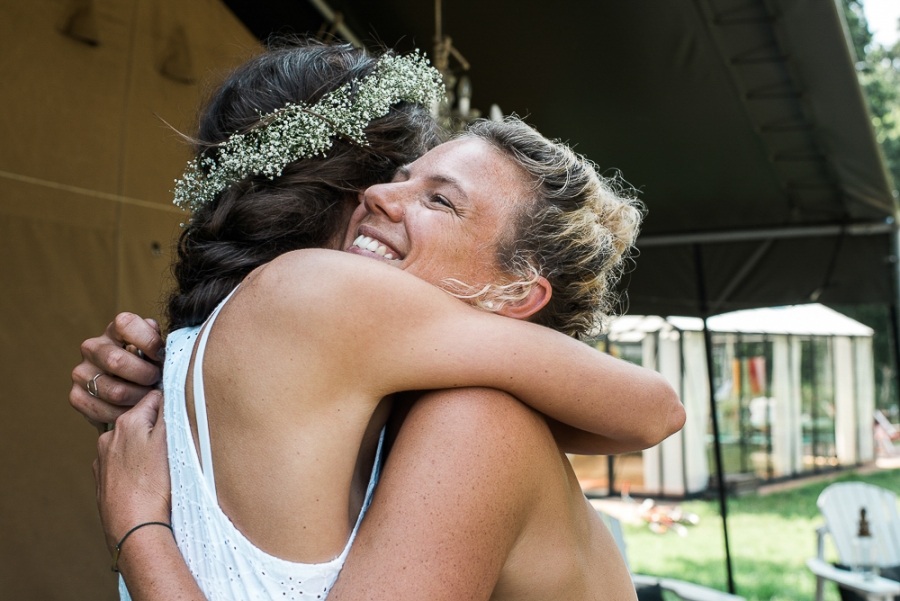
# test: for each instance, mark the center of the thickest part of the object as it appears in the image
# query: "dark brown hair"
(257, 219)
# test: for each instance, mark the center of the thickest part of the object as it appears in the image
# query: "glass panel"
(592, 473)
(743, 373)
(817, 403)
(632, 352)
(628, 473)
(628, 469)
(727, 380)
(756, 407)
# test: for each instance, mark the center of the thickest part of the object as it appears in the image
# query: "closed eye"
(442, 200)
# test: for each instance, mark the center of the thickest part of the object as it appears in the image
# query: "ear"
(537, 298)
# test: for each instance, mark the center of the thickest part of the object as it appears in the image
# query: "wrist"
(140, 543)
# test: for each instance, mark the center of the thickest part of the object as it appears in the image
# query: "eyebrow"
(438, 178)
(443, 179)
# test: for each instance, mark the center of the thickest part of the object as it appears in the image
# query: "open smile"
(367, 244)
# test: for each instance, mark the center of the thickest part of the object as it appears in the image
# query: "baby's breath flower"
(300, 131)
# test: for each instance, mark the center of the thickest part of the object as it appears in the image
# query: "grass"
(771, 536)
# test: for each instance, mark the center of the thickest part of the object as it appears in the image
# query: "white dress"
(224, 563)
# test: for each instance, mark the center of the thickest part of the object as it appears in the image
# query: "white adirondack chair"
(840, 505)
(685, 590)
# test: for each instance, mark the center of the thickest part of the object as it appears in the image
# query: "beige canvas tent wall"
(86, 224)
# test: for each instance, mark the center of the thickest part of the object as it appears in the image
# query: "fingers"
(110, 378)
(95, 410)
(100, 426)
(108, 387)
(153, 324)
(148, 411)
(104, 355)
(144, 334)
(103, 443)
(132, 469)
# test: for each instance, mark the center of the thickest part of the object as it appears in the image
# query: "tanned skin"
(304, 358)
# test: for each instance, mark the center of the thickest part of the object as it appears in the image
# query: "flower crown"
(300, 131)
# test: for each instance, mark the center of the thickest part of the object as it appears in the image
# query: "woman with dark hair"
(255, 219)
(306, 347)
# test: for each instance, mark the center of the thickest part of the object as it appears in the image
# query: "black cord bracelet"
(115, 561)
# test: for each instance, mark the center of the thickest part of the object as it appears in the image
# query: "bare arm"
(570, 439)
(388, 331)
(132, 477)
(406, 334)
(450, 506)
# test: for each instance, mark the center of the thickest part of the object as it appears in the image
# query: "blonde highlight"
(577, 231)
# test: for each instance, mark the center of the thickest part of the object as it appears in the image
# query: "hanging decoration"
(455, 111)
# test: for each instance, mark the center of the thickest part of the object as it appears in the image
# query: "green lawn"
(771, 537)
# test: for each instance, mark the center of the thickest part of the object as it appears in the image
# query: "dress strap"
(200, 401)
(373, 481)
(376, 474)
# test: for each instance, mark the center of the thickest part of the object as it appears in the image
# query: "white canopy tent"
(674, 346)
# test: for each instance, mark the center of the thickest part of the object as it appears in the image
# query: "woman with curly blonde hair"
(300, 364)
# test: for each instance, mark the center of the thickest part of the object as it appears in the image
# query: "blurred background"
(763, 136)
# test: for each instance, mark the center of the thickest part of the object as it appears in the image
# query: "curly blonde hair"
(576, 231)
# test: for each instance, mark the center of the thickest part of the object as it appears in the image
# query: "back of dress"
(223, 562)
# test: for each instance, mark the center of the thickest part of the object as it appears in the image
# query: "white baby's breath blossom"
(302, 131)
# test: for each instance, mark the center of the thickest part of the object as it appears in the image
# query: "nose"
(387, 199)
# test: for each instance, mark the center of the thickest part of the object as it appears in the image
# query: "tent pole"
(895, 314)
(611, 475)
(610, 459)
(895, 340)
(717, 444)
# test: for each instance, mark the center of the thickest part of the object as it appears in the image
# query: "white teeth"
(372, 245)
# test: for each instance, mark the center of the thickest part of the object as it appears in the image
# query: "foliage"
(879, 76)
(771, 536)
(300, 131)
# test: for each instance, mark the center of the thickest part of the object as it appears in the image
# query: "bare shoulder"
(477, 427)
(453, 500)
(475, 409)
(344, 291)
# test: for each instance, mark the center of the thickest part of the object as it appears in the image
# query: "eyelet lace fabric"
(224, 563)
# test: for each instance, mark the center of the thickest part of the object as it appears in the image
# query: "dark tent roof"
(734, 117)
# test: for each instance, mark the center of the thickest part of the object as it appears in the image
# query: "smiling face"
(443, 215)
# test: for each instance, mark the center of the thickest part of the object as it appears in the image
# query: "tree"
(879, 75)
